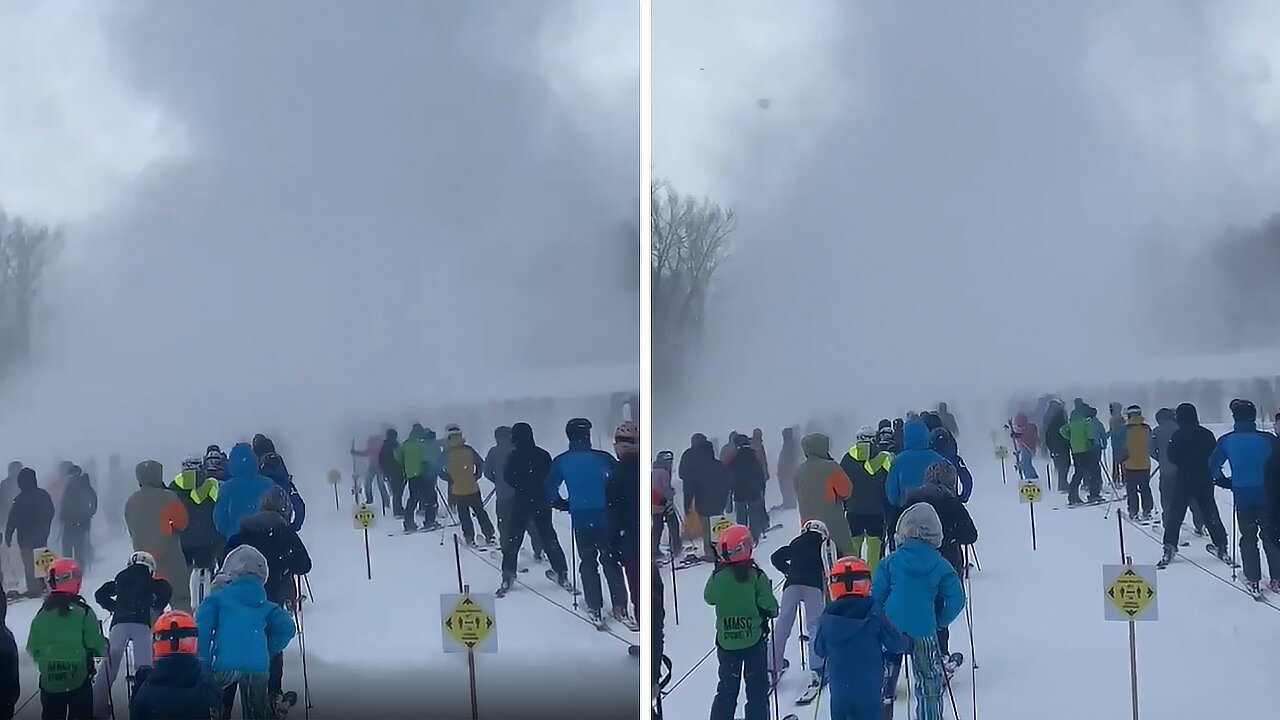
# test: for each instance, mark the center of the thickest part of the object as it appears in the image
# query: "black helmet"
(1243, 411)
(578, 428)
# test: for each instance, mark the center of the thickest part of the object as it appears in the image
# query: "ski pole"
(106, 662)
(803, 636)
(299, 616)
(307, 581)
(1234, 563)
(573, 557)
(675, 594)
(777, 672)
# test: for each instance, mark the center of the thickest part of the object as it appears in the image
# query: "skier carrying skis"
(584, 472)
(1026, 441)
(463, 468)
(1248, 449)
(526, 472)
(821, 488)
(743, 599)
(801, 563)
(1133, 450)
(1191, 481)
(854, 637)
(132, 598)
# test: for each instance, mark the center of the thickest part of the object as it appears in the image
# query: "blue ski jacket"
(1247, 449)
(918, 589)
(852, 638)
(907, 472)
(584, 472)
(241, 494)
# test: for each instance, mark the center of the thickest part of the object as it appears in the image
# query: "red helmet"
(735, 544)
(174, 632)
(850, 576)
(64, 576)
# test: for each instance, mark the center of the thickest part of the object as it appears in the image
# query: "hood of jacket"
(1187, 415)
(245, 560)
(915, 435)
(150, 474)
(816, 445)
(27, 479)
(242, 462)
(920, 522)
(522, 435)
(263, 522)
(847, 618)
(502, 436)
(262, 445)
(943, 442)
(1165, 416)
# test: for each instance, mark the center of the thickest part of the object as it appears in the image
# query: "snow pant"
(1027, 465)
(505, 507)
(787, 485)
(670, 522)
(1254, 523)
(536, 517)
(201, 556)
(750, 665)
(421, 497)
(793, 597)
(868, 529)
(630, 562)
(397, 495)
(926, 668)
(466, 506)
(1089, 472)
(1180, 498)
(76, 544)
(752, 513)
(201, 579)
(275, 674)
(1168, 492)
(120, 636)
(255, 699)
(74, 704)
(1137, 485)
(593, 557)
(370, 476)
(1061, 469)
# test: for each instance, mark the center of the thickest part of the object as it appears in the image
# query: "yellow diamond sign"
(719, 523)
(469, 623)
(364, 517)
(1130, 592)
(1002, 452)
(43, 557)
(1030, 492)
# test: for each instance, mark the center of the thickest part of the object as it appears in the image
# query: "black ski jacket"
(31, 513)
(133, 596)
(801, 561)
(269, 533)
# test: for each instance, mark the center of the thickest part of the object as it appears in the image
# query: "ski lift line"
(535, 591)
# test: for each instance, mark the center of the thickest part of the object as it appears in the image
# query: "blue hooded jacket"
(908, 468)
(239, 629)
(585, 473)
(908, 584)
(1247, 449)
(853, 636)
(241, 494)
(943, 442)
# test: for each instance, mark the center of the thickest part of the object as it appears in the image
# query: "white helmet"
(866, 434)
(143, 558)
(816, 526)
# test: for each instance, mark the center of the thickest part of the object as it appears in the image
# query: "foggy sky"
(947, 200)
(303, 210)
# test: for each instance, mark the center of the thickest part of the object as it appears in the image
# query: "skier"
(1161, 437)
(908, 467)
(944, 443)
(1056, 443)
(748, 482)
(920, 593)
(156, 518)
(801, 563)
(463, 468)
(30, 518)
(867, 465)
(622, 497)
(178, 686)
(10, 682)
(948, 420)
(79, 505)
(664, 505)
(706, 490)
(131, 598)
(788, 462)
(1248, 449)
(240, 630)
(271, 465)
(526, 471)
(757, 447)
(1026, 441)
(412, 456)
(495, 464)
(201, 543)
(584, 472)
(215, 463)
(372, 474)
(854, 637)
(1133, 449)
(270, 533)
(391, 468)
(744, 602)
(821, 489)
(1082, 435)
(64, 639)
(1190, 448)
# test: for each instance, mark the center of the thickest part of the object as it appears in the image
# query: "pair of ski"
(424, 529)
(505, 586)
(811, 691)
(1209, 548)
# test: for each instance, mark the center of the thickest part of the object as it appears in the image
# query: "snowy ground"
(1043, 648)
(374, 647)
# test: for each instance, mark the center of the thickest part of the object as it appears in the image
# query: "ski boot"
(1166, 558)
(949, 666)
(1254, 588)
(1198, 530)
(1274, 585)
(620, 615)
(561, 579)
(1145, 518)
(595, 618)
(504, 587)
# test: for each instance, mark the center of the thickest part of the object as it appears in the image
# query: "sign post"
(364, 518)
(1129, 595)
(335, 479)
(1030, 493)
(470, 624)
(1002, 452)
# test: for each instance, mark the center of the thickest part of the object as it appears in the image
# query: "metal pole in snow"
(1033, 524)
(368, 564)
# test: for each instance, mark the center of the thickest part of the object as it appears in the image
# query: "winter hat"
(1133, 411)
(920, 522)
(149, 473)
(27, 479)
(276, 501)
(522, 434)
(942, 473)
(245, 560)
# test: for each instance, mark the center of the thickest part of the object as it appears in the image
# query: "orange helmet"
(174, 632)
(850, 576)
(735, 544)
(64, 576)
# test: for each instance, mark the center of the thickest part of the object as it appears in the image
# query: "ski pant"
(1168, 495)
(1254, 523)
(370, 476)
(1180, 498)
(275, 674)
(926, 668)
(787, 484)
(670, 522)
(752, 514)
(750, 665)
(1137, 484)
(120, 636)
(466, 506)
(255, 698)
(630, 562)
(505, 507)
(397, 495)
(793, 597)
(867, 529)
(1089, 472)
(593, 557)
(76, 544)
(536, 516)
(1062, 468)
(202, 556)
(74, 704)
(1027, 465)
(421, 497)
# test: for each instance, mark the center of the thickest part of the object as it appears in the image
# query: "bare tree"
(26, 249)
(690, 243)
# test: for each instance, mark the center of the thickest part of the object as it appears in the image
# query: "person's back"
(584, 471)
(1247, 449)
(268, 533)
(912, 580)
(176, 687)
(958, 529)
(241, 494)
(909, 466)
(821, 489)
(853, 638)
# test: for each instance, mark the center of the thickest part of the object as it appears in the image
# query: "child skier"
(743, 598)
(853, 637)
(178, 687)
(802, 564)
(133, 598)
(920, 592)
(240, 630)
(64, 639)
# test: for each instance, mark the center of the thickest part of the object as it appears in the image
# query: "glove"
(561, 504)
